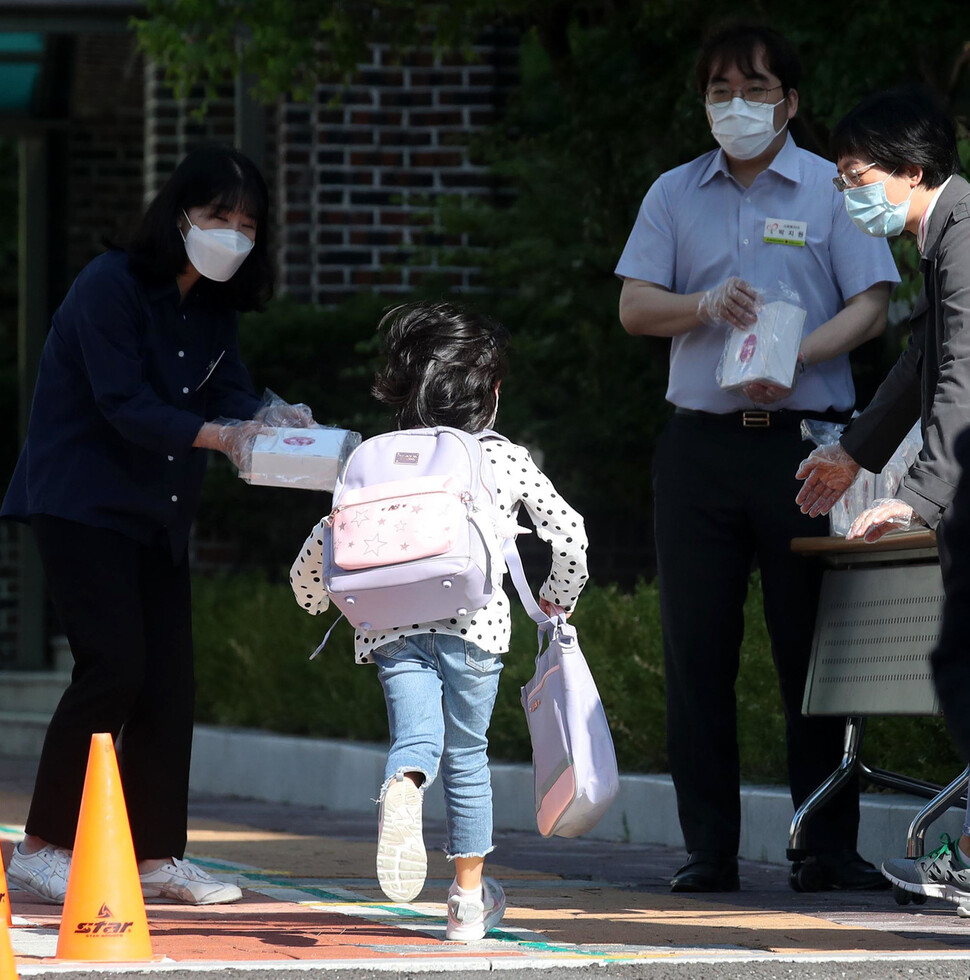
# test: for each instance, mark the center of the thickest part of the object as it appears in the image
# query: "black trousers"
(951, 657)
(725, 498)
(126, 610)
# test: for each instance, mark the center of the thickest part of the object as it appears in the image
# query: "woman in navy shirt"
(141, 357)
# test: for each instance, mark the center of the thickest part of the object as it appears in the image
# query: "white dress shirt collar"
(925, 220)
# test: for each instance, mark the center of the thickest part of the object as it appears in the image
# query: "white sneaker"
(188, 883)
(470, 918)
(402, 862)
(43, 874)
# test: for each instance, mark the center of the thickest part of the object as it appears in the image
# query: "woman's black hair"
(900, 126)
(443, 363)
(210, 175)
(739, 44)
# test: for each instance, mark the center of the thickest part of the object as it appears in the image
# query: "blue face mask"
(871, 210)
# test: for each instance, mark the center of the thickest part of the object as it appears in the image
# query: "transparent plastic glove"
(234, 438)
(766, 394)
(886, 514)
(732, 304)
(762, 393)
(828, 473)
(279, 414)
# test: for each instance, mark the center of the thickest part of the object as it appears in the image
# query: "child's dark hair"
(443, 363)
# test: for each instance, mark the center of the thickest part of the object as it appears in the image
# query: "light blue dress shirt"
(697, 226)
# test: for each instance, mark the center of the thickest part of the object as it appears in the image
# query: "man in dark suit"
(897, 157)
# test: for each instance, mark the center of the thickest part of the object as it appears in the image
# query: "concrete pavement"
(346, 776)
(311, 900)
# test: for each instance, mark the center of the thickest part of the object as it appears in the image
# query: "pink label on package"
(748, 348)
(299, 441)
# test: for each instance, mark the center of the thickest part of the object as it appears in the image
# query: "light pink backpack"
(411, 537)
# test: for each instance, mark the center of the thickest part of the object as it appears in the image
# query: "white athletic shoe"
(470, 918)
(43, 874)
(188, 883)
(402, 862)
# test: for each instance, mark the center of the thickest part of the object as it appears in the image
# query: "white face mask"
(743, 130)
(217, 253)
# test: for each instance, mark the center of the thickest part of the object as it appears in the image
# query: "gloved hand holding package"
(867, 489)
(767, 351)
(278, 413)
(309, 458)
(234, 438)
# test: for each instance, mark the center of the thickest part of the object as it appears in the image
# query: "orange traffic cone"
(5, 912)
(104, 911)
(8, 966)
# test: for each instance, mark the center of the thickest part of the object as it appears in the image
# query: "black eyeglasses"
(754, 93)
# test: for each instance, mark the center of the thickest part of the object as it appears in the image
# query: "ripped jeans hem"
(470, 854)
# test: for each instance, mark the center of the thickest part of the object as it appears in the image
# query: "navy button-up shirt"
(127, 377)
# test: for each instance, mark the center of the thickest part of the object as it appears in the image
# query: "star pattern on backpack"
(374, 545)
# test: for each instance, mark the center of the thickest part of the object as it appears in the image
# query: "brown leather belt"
(751, 418)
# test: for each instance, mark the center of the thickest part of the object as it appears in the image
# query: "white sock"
(476, 893)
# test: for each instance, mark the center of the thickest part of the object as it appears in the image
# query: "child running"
(444, 367)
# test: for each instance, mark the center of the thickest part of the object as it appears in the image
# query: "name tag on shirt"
(778, 231)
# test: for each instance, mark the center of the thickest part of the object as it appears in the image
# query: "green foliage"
(252, 643)
(287, 46)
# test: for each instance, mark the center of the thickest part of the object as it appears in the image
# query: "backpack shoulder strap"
(514, 563)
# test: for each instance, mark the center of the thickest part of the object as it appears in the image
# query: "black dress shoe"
(837, 870)
(707, 871)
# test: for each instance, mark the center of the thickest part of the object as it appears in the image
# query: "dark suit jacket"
(931, 379)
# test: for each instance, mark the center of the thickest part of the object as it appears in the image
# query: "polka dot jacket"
(520, 483)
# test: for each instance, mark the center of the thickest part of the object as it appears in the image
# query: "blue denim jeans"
(440, 691)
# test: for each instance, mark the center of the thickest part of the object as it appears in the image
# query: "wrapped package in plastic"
(867, 487)
(767, 351)
(310, 458)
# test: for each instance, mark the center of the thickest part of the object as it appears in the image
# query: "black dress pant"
(126, 610)
(951, 656)
(725, 498)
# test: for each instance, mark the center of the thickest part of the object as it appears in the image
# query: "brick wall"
(104, 180)
(172, 129)
(360, 168)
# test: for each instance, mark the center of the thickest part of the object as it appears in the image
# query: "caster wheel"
(807, 877)
(903, 897)
(918, 899)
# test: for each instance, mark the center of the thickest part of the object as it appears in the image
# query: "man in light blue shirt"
(757, 214)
